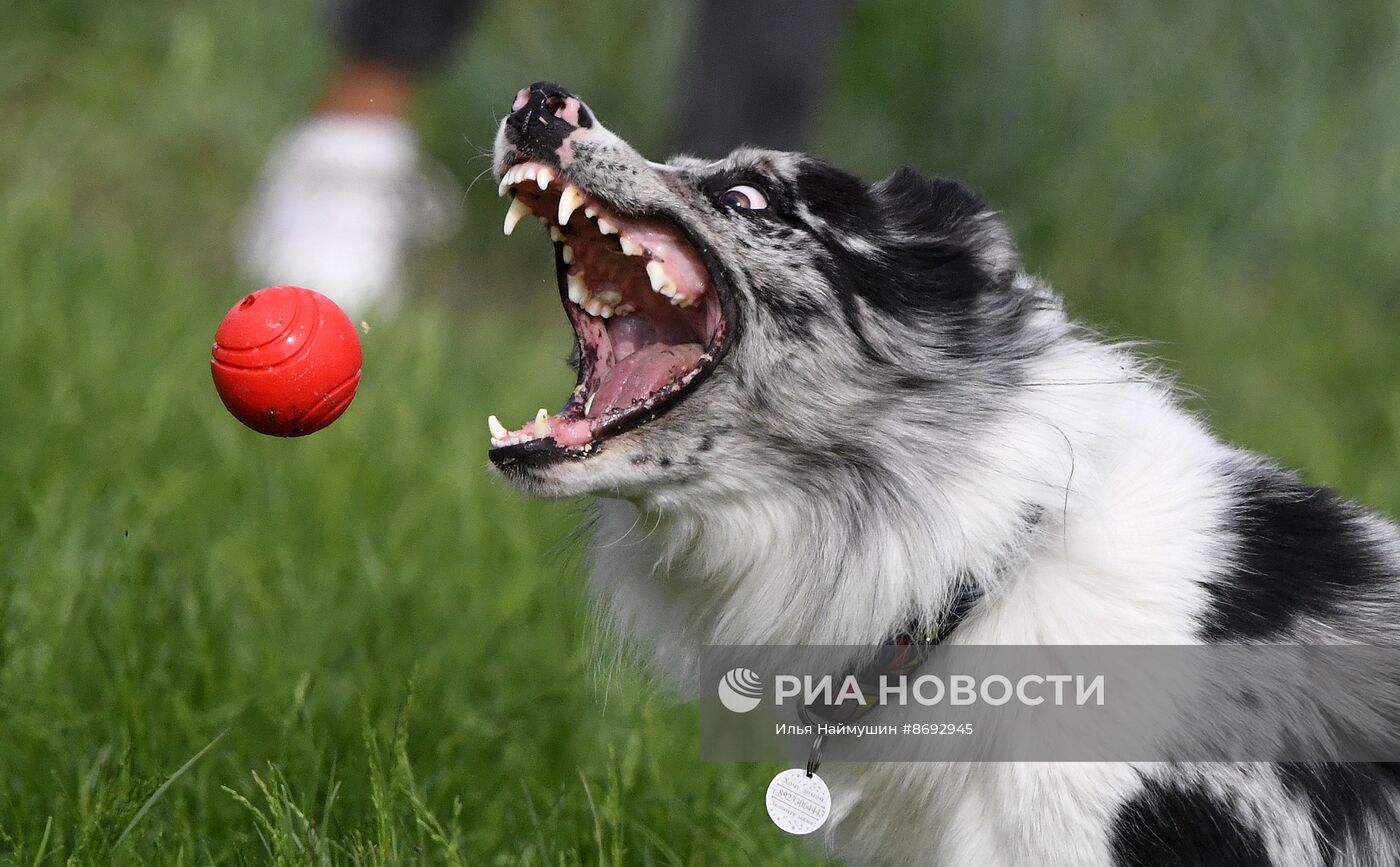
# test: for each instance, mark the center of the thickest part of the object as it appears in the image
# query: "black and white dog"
(812, 407)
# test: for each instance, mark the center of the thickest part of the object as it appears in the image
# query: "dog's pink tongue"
(641, 374)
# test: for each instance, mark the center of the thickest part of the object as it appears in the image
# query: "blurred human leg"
(755, 73)
(344, 192)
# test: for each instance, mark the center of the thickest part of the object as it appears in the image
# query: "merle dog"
(810, 406)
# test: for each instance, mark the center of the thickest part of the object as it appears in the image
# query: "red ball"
(286, 361)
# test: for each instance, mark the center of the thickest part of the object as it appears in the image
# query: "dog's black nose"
(542, 116)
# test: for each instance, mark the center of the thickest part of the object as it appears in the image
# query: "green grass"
(358, 647)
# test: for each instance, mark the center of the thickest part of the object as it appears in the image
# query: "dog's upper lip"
(686, 284)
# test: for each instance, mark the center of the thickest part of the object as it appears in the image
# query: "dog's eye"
(743, 196)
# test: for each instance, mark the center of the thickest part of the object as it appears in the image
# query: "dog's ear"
(930, 245)
(909, 243)
(946, 210)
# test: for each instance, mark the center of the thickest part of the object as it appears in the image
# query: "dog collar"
(798, 800)
(900, 654)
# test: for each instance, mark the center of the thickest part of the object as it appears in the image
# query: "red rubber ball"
(286, 361)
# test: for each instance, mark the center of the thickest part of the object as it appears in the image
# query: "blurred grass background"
(380, 655)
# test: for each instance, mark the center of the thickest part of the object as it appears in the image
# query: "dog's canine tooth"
(569, 201)
(544, 176)
(542, 423)
(630, 247)
(661, 282)
(605, 227)
(578, 289)
(568, 254)
(517, 212)
(504, 185)
(657, 275)
(498, 430)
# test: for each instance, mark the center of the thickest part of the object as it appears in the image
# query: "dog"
(810, 407)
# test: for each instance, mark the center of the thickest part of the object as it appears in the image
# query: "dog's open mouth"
(647, 311)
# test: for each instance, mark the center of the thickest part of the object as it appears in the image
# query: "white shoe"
(340, 199)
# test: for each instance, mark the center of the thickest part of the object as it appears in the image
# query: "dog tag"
(798, 802)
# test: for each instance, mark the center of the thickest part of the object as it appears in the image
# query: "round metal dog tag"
(798, 802)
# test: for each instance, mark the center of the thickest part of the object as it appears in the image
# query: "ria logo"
(740, 690)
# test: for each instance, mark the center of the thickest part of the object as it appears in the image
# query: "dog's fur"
(904, 407)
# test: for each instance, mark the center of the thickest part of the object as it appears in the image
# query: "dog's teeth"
(517, 212)
(588, 404)
(555, 234)
(568, 254)
(660, 281)
(544, 176)
(498, 430)
(605, 227)
(504, 185)
(657, 275)
(569, 201)
(542, 423)
(578, 289)
(610, 297)
(590, 212)
(625, 310)
(598, 307)
(630, 247)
